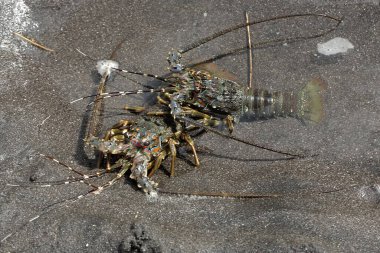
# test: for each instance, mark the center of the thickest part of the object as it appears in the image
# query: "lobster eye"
(177, 68)
(146, 143)
(127, 137)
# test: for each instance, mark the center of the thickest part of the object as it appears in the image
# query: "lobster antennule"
(310, 101)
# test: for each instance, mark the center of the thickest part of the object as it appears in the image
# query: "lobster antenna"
(247, 24)
(116, 94)
(237, 139)
(236, 27)
(85, 55)
(223, 194)
(142, 74)
(253, 195)
(44, 212)
(257, 45)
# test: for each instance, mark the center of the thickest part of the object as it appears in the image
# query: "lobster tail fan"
(310, 101)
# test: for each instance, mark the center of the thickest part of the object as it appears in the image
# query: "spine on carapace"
(307, 104)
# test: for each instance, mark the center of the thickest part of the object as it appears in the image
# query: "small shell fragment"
(334, 46)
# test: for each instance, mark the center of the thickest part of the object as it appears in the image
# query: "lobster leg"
(157, 163)
(173, 153)
(99, 189)
(190, 141)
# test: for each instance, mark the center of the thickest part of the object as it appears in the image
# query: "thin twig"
(250, 53)
(33, 42)
(94, 124)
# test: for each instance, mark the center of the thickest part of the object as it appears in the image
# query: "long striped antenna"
(101, 96)
(198, 124)
(93, 191)
(142, 74)
(253, 195)
(236, 27)
(247, 24)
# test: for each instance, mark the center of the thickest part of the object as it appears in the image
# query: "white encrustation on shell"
(334, 46)
(106, 66)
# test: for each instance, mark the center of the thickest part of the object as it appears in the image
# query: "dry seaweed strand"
(94, 124)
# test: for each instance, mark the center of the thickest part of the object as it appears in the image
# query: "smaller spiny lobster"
(140, 146)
